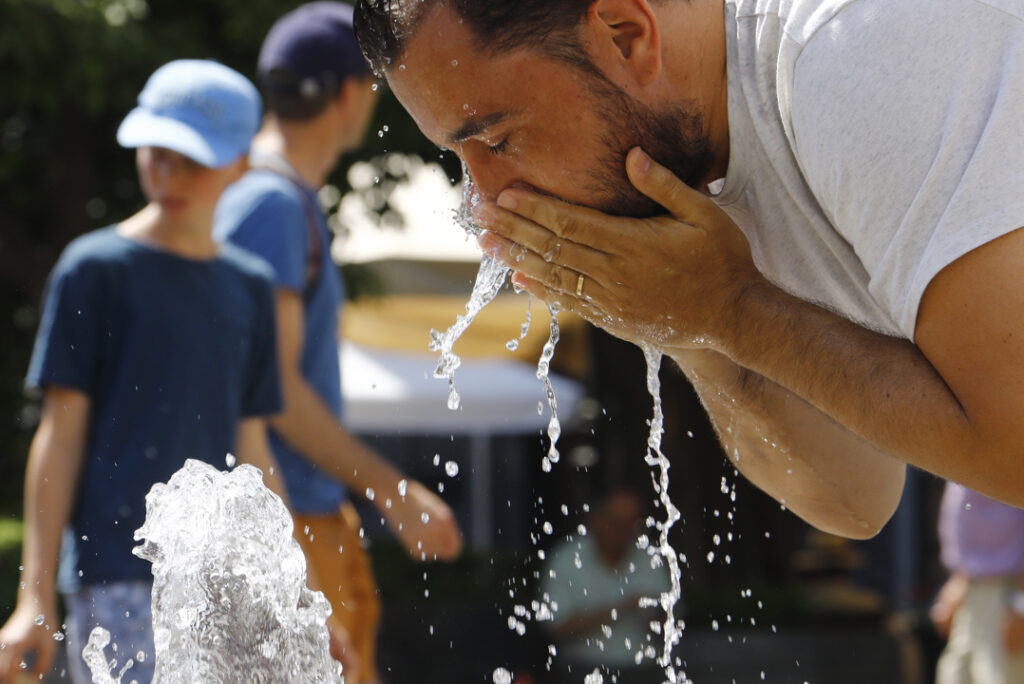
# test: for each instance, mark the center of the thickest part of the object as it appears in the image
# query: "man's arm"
(420, 519)
(795, 383)
(54, 464)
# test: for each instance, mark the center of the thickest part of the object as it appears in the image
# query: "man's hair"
(383, 27)
(295, 105)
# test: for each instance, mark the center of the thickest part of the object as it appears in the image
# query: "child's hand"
(423, 522)
(343, 651)
(23, 640)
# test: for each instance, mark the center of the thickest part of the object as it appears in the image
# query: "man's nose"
(489, 175)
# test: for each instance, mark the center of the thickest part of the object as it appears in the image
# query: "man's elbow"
(858, 514)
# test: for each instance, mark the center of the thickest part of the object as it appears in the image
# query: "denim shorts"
(123, 609)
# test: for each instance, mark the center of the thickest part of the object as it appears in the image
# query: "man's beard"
(673, 137)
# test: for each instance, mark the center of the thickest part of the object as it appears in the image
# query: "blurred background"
(764, 598)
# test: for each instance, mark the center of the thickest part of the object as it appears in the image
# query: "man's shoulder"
(261, 200)
(260, 187)
(248, 265)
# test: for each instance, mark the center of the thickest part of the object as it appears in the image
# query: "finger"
(558, 277)
(581, 306)
(531, 236)
(662, 186)
(569, 222)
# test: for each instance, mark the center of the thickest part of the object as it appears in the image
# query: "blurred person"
(156, 344)
(830, 246)
(980, 608)
(593, 585)
(320, 98)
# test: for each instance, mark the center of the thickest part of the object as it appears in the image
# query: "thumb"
(662, 186)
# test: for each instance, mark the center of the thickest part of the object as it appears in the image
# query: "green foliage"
(69, 72)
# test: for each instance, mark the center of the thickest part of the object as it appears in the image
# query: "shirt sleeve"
(263, 395)
(276, 231)
(906, 119)
(67, 343)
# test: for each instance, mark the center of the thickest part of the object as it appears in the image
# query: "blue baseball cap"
(199, 108)
(311, 50)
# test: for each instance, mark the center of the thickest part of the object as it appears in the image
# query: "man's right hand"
(22, 640)
(423, 522)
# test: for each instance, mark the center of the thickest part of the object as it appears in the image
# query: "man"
(594, 584)
(980, 609)
(848, 299)
(320, 97)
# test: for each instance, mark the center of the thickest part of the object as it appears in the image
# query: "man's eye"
(500, 148)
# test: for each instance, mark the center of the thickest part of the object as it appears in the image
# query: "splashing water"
(230, 601)
(671, 628)
(489, 280)
(543, 368)
(97, 661)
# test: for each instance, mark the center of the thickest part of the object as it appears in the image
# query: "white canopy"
(395, 392)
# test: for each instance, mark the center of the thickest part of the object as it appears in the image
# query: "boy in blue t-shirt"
(156, 344)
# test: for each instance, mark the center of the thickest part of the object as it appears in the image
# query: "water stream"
(230, 601)
(671, 628)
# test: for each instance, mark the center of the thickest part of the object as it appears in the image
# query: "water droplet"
(40, 619)
(451, 468)
(425, 517)
(370, 495)
(403, 487)
(230, 460)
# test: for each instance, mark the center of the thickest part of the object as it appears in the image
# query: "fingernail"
(640, 158)
(507, 201)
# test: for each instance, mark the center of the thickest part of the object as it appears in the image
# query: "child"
(156, 344)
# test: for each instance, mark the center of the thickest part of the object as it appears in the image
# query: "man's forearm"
(815, 467)
(309, 427)
(804, 385)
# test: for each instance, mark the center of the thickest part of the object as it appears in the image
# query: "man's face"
(522, 118)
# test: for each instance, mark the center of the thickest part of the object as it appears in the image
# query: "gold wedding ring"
(579, 285)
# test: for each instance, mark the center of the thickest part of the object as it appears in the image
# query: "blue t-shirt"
(172, 353)
(264, 213)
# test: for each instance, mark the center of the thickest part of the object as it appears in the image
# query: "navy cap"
(199, 108)
(311, 50)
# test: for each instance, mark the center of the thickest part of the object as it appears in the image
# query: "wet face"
(522, 118)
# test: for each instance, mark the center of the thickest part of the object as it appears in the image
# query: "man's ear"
(622, 36)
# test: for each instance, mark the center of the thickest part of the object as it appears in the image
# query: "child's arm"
(54, 464)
